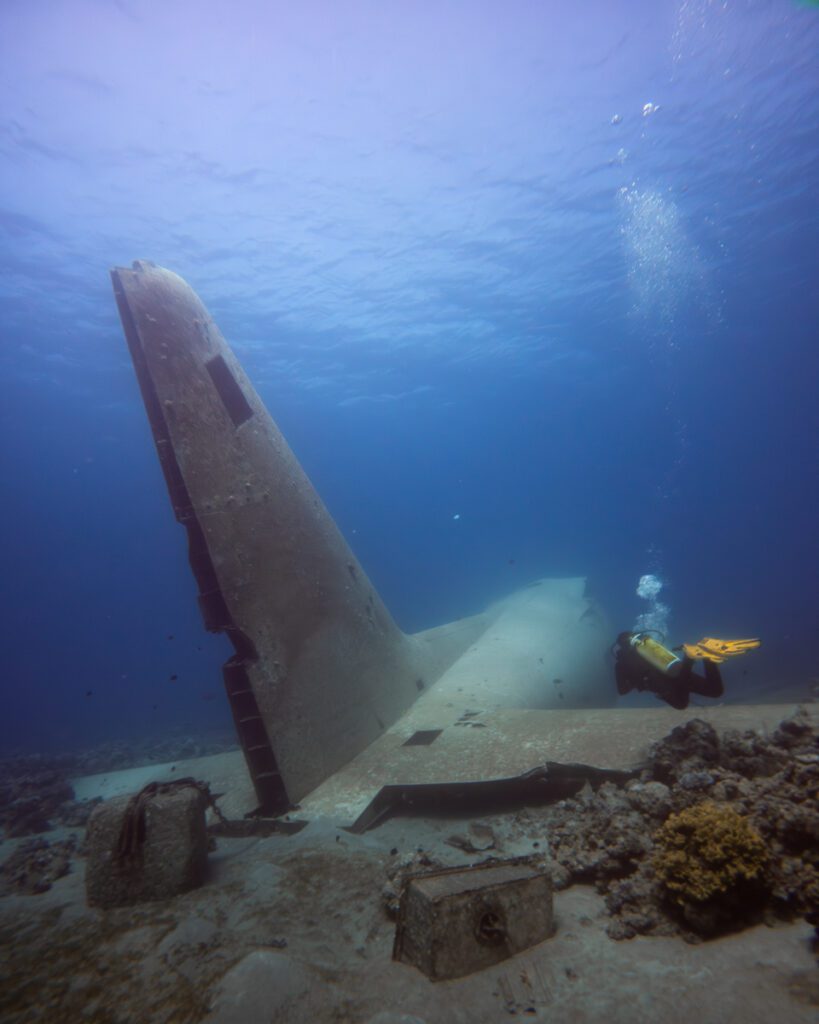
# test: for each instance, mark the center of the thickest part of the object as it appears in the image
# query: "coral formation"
(711, 863)
(30, 799)
(35, 865)
(707, 850)
(769, 783)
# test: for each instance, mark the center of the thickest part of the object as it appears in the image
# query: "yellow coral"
(707, 850)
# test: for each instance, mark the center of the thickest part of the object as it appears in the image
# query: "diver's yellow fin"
(718, 650)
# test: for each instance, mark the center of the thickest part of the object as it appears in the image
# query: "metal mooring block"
(151, 846)
(460, 920)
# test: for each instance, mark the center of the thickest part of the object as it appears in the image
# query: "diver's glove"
(711, 649)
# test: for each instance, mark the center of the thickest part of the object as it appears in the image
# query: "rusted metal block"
(460, 920)
(151, 846)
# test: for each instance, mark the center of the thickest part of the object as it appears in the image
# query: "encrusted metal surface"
(456, 921)
(320, 669)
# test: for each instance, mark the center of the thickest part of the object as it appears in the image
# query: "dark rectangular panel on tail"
(234, 401)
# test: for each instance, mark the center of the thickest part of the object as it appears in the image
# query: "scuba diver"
(643, 663)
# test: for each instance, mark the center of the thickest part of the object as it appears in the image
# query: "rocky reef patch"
(718, 832)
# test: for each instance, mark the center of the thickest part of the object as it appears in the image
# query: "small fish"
(174, 677)
(89, 693)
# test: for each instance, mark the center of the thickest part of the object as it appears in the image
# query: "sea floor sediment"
(300, 927)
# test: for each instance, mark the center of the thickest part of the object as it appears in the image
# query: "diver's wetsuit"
(633, 672)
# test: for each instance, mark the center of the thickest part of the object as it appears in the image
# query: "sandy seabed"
(297, 928)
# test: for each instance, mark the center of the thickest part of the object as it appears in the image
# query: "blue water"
(547, 268)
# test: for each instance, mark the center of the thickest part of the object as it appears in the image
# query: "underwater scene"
(411, 463)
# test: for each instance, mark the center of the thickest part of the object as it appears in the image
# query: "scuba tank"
(654, 652)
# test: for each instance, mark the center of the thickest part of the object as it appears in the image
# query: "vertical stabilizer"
(320, 669)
